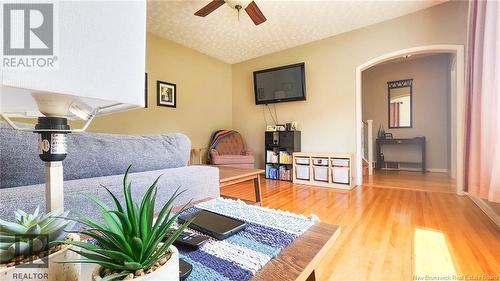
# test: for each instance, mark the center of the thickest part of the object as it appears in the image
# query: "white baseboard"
(436, 170)
(432, 170)
(490, 213)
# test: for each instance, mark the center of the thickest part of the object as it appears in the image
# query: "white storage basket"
(302, 160)
(340, 162)
(321, 173)
(340, 175)
(302, 172)
(320, 161)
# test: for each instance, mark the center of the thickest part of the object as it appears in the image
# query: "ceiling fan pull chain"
(238, 7)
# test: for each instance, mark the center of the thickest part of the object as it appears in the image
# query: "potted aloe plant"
(129, 238)
(27, 247)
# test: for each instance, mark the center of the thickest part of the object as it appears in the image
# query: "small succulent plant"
(31, 233)
(129, 238)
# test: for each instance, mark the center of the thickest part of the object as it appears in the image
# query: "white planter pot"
(167, 272)
(54, 271)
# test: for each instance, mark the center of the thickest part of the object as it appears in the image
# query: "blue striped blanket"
(240, 256)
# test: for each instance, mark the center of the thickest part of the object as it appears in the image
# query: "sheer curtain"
(482, 166)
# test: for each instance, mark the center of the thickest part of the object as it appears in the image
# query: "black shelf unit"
(278, 150)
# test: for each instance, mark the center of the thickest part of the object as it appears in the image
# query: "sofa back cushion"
(89, 155)
(232, 145)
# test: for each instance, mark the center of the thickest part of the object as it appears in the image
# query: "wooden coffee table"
(230, 176)
(299, 260)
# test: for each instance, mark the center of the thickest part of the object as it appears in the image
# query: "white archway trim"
(460, 103)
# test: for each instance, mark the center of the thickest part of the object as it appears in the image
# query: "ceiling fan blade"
(210, 7)
(255, 13)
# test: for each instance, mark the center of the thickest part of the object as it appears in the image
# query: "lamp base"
(54, 195)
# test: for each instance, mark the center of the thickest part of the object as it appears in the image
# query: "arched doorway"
(458, 104)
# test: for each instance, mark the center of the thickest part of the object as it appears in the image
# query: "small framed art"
(166, 94)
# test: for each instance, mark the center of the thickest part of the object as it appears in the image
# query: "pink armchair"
(231, 152)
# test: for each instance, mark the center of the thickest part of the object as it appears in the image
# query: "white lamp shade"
(100, 51)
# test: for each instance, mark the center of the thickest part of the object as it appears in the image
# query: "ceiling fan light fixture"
(250, 7)
(238, 4)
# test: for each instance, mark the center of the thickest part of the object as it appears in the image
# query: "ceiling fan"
(251, 8)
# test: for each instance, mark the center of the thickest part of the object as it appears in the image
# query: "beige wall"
(203, 95)
(327, 118)
(430, 107)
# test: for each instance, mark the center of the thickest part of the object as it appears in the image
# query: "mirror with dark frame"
(400, 103)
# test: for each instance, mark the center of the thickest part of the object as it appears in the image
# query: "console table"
(418, 141)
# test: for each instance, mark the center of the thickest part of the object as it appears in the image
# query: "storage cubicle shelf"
(280, 145)
(332, 170)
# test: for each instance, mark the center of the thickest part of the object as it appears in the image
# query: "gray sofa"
(100, 159)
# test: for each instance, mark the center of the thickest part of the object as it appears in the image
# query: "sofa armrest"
(199, 182)
(213, 153)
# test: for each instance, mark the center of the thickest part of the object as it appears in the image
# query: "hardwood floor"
(432, 182)
(391, 232)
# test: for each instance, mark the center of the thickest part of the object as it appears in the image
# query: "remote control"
(189, 239)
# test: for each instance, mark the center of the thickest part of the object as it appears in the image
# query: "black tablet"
(213, 224)
(185, 269)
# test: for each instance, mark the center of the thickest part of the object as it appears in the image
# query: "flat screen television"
(280, 84)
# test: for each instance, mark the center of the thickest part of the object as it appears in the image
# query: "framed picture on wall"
(166, 94)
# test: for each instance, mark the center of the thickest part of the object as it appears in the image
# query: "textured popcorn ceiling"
(289, 24)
